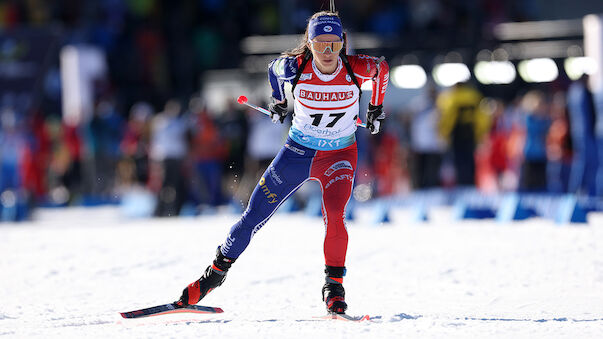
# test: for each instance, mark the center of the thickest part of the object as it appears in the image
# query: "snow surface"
(69, 273)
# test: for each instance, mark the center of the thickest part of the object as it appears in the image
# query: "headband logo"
(328, 28)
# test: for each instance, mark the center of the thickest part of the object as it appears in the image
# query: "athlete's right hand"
(278, 111)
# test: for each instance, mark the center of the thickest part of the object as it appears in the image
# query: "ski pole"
(244, 101)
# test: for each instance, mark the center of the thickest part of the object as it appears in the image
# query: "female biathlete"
(321, 146)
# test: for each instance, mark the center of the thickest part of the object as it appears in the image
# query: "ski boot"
(333, 293)
(213, 277)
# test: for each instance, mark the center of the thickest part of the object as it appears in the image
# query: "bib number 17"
(318, 117)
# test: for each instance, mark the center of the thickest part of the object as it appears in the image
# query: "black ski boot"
(333, 293)
(213, 277)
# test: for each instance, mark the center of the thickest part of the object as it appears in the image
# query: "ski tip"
(242, 99)
(344, 317)
(128, 315)
(218, 310)
(355, 318)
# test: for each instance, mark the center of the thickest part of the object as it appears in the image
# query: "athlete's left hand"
(374, 118)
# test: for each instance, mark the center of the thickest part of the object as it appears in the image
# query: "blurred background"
(133, 102)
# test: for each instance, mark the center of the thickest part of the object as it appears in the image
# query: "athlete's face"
(325, 58)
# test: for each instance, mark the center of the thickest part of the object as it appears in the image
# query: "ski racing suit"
(321, 146)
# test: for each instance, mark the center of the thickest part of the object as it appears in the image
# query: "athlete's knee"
(336, 228)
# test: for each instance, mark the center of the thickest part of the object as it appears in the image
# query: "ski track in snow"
(70, 271)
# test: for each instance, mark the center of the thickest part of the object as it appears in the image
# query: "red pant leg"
(335, 172)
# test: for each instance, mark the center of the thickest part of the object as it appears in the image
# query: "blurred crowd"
(181, 154)
(187, 155)
(541, 141)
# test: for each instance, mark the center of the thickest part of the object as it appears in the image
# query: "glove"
(278, 111)
(374, 118)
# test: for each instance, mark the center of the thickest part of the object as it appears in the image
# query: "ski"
(169, 309)
(344, 317)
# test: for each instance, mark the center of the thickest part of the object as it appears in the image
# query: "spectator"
(168, 151)
(426, 144)
(493, 156)
(582, 115)
(208, 153)
(463, 124)
(106, 129)
(12, 150)
(388, 157)
(515, 140)
(558, 146)
(537, 123)
(135, 143)
(71, 174)
(37, 158)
